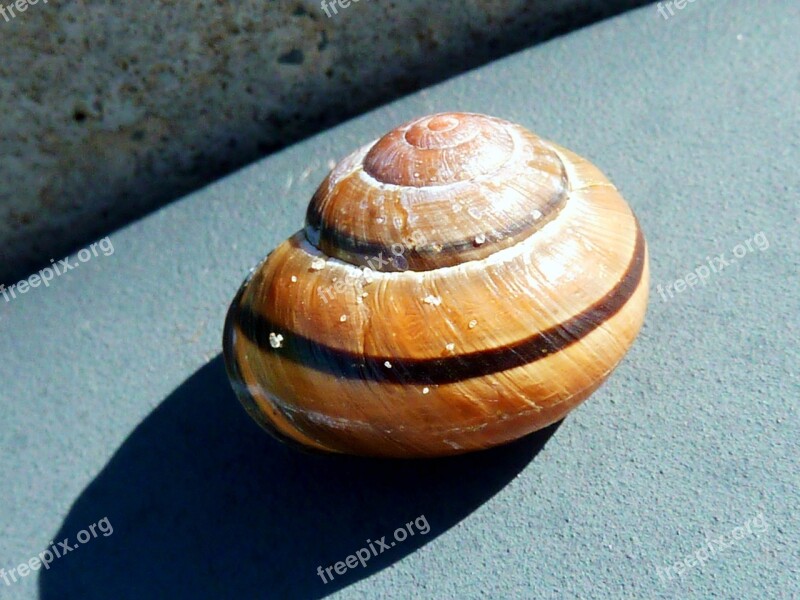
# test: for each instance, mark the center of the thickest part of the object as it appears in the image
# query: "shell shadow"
(203, 504)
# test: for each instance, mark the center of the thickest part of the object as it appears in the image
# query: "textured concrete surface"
(115, 402)
(112, 108)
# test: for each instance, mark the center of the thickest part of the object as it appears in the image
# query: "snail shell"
(459, 283)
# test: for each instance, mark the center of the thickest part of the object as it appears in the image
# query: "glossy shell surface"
(459, 283)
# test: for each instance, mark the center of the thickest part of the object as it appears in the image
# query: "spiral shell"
(459, 283)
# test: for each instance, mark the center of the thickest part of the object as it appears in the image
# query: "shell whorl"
(437, 191)
(526, 287)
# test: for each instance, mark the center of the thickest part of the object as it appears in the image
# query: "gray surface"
(115, 401)
(114, 107)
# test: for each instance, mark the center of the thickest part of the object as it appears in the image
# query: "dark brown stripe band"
(238, 381)
(431, 371)
(326, 237)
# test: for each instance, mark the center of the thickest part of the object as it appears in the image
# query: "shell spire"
(473, 184)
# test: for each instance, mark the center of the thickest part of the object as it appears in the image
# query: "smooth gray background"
(115, 402)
